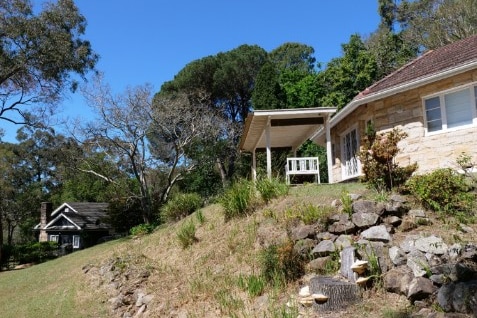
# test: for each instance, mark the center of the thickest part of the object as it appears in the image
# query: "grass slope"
(200, 281)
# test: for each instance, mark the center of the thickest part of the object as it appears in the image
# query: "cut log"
(340, 293)
(347, 261)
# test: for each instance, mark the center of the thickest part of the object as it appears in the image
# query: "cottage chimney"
(45, 215)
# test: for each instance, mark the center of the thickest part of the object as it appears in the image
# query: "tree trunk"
(1, 240)
(341, 294)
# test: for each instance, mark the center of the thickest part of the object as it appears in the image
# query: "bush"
(142, 229)
(270, 189)
(36, 252)
(180, 206)
(186, 234)
(239, 199)
(378, 160)
(442, 190)
(281, 264)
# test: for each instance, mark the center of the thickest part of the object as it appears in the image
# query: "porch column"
(254, 165)
(328, 149)
(269, 150)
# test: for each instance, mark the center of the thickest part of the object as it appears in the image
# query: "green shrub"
(442, 190)
(180, 206)
(271, 188)
(347, 202)
(239, 199)
(186, 234)
(281, 264)
(142, 229)
(378, 160)
(36, 252)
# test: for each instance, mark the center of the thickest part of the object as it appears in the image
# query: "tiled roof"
(430, 63)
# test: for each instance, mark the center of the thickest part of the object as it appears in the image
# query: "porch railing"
(302, 166)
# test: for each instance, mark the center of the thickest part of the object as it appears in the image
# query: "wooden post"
(269, 150)
(254, 165)
(329, 154)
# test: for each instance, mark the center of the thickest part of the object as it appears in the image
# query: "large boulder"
(420, 288)
(460, 297)
(364, 219)
(324, 248)
(376, 233)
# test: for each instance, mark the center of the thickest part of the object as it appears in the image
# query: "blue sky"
(149, 41)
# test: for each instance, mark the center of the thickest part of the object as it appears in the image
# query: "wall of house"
(406, 111)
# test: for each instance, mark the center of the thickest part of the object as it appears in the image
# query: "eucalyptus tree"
(38, 55)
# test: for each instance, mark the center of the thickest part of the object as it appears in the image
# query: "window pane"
(458, 109)
(433, 114)
(434, 125)
(475, 94)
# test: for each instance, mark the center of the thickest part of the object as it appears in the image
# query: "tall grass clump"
(180, 206)
(239, 199)
(281, 264)
(271, 188)
(442, 190)
(186, 234)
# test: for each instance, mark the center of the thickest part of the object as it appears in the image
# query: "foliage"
(271, 188)
(465, 163)
(378, 159)
(124, 214)
(180, 206)
(186, 234)
(253, 284)
(310, 213)
(142, 229)
(35, 252)
(347, 202)
(281, 264)
(344, 77)
(38, 55)
(311, 149)
(268, 94)
(239, 199)
(442, 190)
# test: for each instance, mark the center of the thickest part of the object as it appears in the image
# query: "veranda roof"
(289, 128)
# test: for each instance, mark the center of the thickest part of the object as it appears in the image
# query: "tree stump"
(341, 294)
(347, 260)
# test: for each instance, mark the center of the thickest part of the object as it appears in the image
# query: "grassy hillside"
(204, 280)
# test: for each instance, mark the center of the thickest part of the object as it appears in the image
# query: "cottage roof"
(431, 62)
(81, 215)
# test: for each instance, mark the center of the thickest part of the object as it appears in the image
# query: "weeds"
(180, 206)
(253, 284)
(271, 188)
(186, 234)
(238, 200)
(347, 202)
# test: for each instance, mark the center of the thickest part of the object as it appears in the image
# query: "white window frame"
(344, 168)
(472, 88)
(76, 241)
(53, 238)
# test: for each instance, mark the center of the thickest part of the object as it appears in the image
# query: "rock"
(417, 262)
(302, 232)
(417, 213)
(318, 265)
(336, 203)
(454, 251)
(376, 233)
(459, 297)
(376, 253)
(363, 219)
(325, 236)
(304, 291)
(420, 288)
(365, 206)
(397, 256)
(431, 244)
(397, 280)
(338, 217)
(303, 247)
(408, 244)
(342, 227)
(397, 198)
(465, 228)
(395, 207)
(354, 196)
(469, 252)
(324, 248)
(407, 224)
(393, 220)
(343, 241)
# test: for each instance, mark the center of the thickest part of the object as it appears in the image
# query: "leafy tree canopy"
(38, 55)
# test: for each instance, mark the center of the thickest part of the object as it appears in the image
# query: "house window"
(53, 238)
(451, 110)
(349, 155)
(76, 241)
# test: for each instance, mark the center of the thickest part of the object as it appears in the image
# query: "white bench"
(302, 166)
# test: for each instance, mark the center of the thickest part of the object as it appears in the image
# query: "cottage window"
(76, 241)
(53, 238)
(451, 109)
